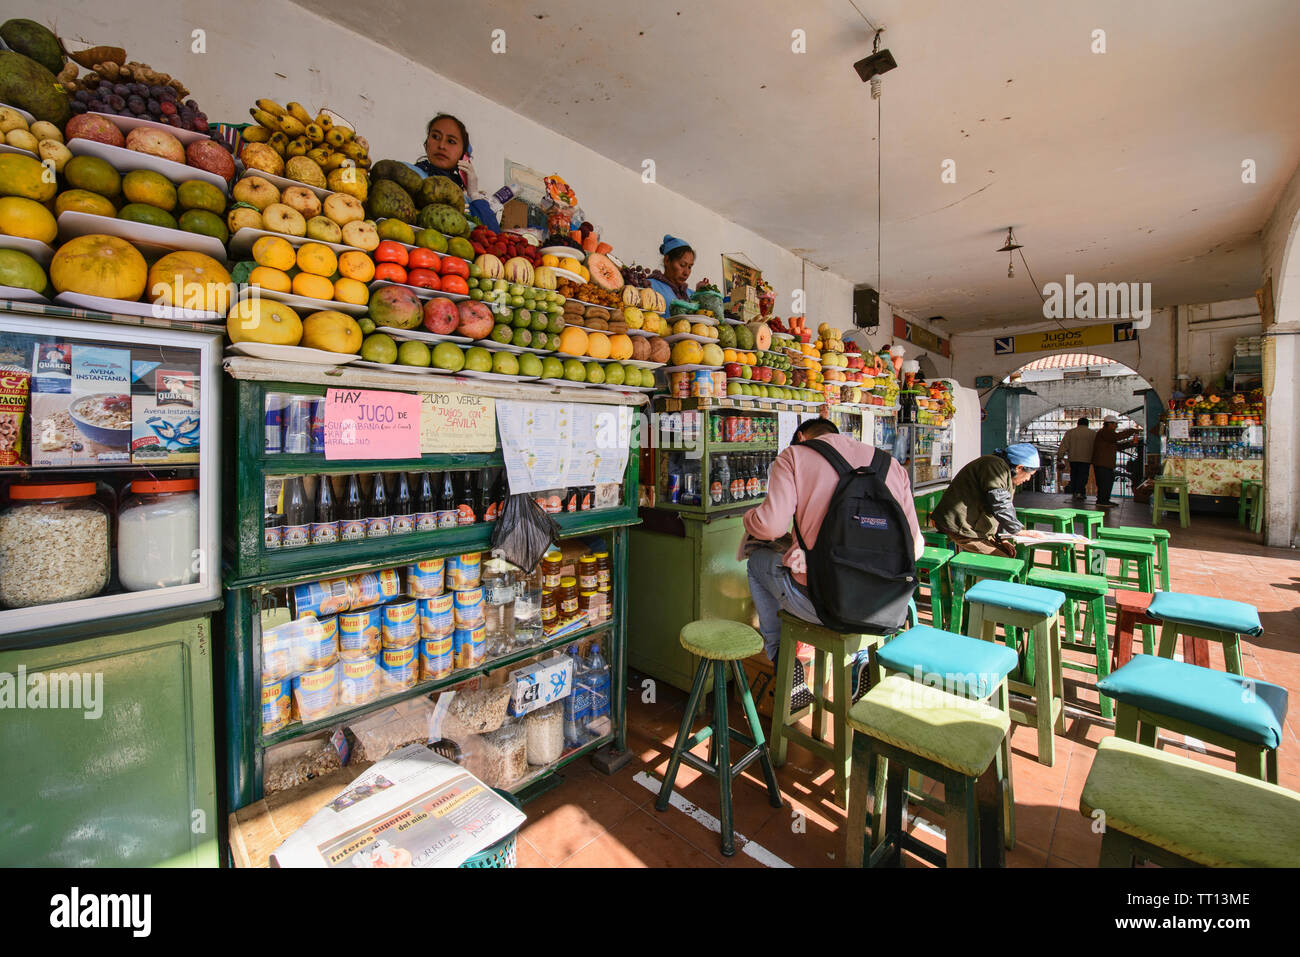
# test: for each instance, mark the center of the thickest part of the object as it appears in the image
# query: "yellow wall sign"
(452, 422)
(1062, 340)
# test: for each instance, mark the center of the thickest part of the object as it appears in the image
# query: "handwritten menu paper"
(1180, 429)
(451, 422)
(368, 424)
(563, 445)
(787, 423)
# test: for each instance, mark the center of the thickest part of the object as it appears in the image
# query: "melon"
(519, 270)
(762, 335)
(190, 280)
(631, 296)
(98, 265)
(604, 273)
(490, 267)
(544, 278)
(649, 299)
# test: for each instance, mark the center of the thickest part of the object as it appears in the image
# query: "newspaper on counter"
(410, 809)
(1051, 538)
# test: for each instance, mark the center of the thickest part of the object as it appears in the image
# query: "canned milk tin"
(359, 679)
(316, 692)
(467, 608)
(469, 645)
(401, 629)
(400, 667)
(437, 620)
(425, 579)
(322, 598)
(359, 631)
(277, 697)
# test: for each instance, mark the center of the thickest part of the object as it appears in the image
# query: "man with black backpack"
(852, 563)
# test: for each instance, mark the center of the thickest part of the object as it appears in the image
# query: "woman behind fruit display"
(447, 152)
(679, 259)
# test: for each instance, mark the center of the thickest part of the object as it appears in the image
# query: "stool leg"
(1068, 609)
(1096, 618)
(894, 810)
(1116, 850)
(956, 610)
(1250, 762)
(721, 731)
(841, 682)
(1163, 547)
(1004, 771)
(819, 695)
(1168, 639)
(1232, 654)
(756, 731)
(1124, 621)
(936, 598)
(961, 821)
(989, 804)
(1270, 769)
(683, 733)
(1058, 672)
(781, 706)
(855, 828)
(1043, 696)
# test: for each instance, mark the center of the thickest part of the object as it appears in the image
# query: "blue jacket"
(477, 207)
(668, 292)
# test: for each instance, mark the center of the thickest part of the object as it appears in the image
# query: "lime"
(413, 353)
(367, 325)
(378, 347)
(448, 355)
(474, 271)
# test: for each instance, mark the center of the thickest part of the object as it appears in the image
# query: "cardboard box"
(81, 405)
(537, 685)
(165, 414)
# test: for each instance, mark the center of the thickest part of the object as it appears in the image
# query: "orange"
(28, 219)
(354, 264)
(620, 346)
(317, 259)
(597, 345)
(312, 286)
(274, 252)
(351, 291)
(267, 277)
(573, 341)
(549, 260)
(729, 355)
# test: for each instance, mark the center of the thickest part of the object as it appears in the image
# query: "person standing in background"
(1076, 448)
(1105, 447)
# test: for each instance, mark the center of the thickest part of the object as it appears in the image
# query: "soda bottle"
(598, 680)
(720, 482)
(352, 519)
(736, 489)
(297, 517)
(497, 495)
(465, 512)
(426, 504)
(378, 524)
(577, 705)
(402, 511)
(325, 529)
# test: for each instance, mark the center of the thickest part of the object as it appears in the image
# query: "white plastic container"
(158, 535)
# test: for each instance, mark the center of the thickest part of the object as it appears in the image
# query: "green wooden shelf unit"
(254, 574)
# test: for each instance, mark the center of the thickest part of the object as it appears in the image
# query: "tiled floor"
(593, 820)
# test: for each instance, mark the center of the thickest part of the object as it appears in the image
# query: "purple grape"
(140, 89)
(191, 104)
(78, 106)
(96, 106)
(174, 120)
(154, 107)
(121, 89)
(82, 96)
(115, 101)
(136, 104)
(201, 123)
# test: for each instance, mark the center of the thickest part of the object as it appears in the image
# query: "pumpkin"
(98, 265)
(490, 266)
(604, 273)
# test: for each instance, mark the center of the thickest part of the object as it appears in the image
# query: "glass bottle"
(325, 529)
(378, 523)
(297, 520)
(352, 519)
(403, 518)
(426, 504)
(465, 512)
(720, 482)
(528, 606)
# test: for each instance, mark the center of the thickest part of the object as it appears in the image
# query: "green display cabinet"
(128, 778)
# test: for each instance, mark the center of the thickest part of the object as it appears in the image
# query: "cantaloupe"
(762, 335)
(98, 265)
(203, 282)
(604, 273)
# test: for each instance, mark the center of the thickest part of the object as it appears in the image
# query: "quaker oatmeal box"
(165, 413)
(81, 404)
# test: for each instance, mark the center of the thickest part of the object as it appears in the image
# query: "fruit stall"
(1215, 442)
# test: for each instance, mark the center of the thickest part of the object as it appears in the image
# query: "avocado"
(26, 84)
(401, 174)
(388, 200)
(31, 39)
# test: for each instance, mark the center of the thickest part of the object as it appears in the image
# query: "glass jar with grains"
(54, 544)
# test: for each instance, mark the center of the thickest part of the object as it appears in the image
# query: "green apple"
(530, 364)
(615, 374)
(448, 355)
(746, 372)
(552, 368)
(367, 325)
(505, 363)
(478, 359)
(734, 388)
(574, 371)
(413, 354)
(595, 373)
(378, 347)
(502, 333)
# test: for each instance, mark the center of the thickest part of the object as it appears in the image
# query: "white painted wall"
(1212, 333)
(273, 48)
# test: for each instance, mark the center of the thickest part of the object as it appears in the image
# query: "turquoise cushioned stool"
(1012, 606)
(1176, 811)
(968, 567)
(946, 738)
(1090, 591)
(961, 665)
(1142, 578)
(1200, 616)
(1242, 715)
(720, 643)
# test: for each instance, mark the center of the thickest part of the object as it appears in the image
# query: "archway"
(1046, 430)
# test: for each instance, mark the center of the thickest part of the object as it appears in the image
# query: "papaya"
(84, 201)
(26, 84)
(25, 176)
(149, 215)
(98, 265)
(203, 282)
(604, 273)
(27, 218)
(34, 40)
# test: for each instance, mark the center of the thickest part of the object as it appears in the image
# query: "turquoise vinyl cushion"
(1017, 597)
(966, 665)
(1222, 613)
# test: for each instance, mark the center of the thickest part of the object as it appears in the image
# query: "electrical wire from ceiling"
(863, 16)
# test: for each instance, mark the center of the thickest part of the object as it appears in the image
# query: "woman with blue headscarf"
(976, 510)
(679, 260)
(447, 153)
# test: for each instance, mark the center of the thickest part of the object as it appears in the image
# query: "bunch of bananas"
(291, 131)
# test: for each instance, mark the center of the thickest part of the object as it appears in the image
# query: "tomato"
(390, 272)
(453, 266)
(389, 251)
(424, 278)
(424, 259)
(455, 284)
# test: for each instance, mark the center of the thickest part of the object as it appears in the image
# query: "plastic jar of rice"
(54, 544)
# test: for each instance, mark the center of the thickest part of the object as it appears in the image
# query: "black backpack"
(862, 570)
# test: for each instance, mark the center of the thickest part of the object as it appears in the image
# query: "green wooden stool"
(1176, 811)
(835, 657)
(935, 539)
(719, 642)
(1243, 715)
(1159, 537)
(1090, 591)
(1250, 504)
(967, 568)
(945, 737)
(1093, 521)
(1169, 494)
(1012, 605)
(1061, 555)
(1060, 519)
(1242, 500)
(934, 562)
(1141, 577)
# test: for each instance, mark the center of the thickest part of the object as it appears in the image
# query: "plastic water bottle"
(598, 677)
(499, 605)
(528, 607)
(577, 705)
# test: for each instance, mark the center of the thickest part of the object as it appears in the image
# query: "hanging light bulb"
(1009, 247)
(1011, 268)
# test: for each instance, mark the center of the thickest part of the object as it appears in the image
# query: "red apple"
(733, 370)
(778, 377)
(441, 316)
(475, 319)
(212, 157)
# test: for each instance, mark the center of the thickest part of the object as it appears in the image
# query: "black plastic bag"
(524, 532)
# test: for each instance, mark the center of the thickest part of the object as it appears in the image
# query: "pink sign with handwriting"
(368, 424)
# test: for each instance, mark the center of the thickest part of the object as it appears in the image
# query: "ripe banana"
(347, 132)
(319, 156)
(256, 134)
(270, 121)
(315, 133)
(299, 113)
(291, 127)
(353, 150)
(270, 106)
(324, 121)
(334, 161)
(296, 147)
(335, 138)
(278, 142)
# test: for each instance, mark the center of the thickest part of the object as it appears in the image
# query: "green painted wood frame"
(1139, 724)
(1177, 503)
(961, 581)
(939, 584)
(1230, 640)
(1096, 562)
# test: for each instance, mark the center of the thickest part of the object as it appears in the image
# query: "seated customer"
(976, 512)
(800, 485)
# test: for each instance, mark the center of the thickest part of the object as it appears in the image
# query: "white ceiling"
(1123, 166)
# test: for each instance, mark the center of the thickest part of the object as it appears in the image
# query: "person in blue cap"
(976, 510)
(679, 260)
